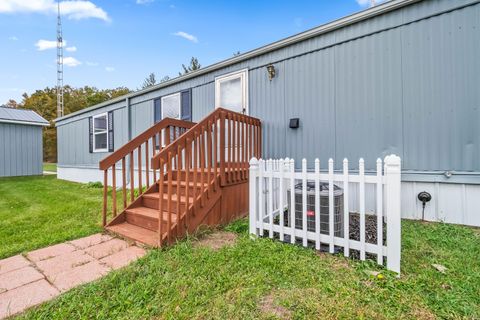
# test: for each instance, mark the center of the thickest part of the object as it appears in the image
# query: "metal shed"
(21, 148)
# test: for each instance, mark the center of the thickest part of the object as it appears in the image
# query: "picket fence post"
(252, 197)
(393, 212)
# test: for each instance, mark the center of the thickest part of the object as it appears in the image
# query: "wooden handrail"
(212, 153)
(195, 152)
(140, 144)
(141, 138)
(216, 115)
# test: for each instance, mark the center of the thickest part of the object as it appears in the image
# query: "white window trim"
(101, 132)
(179, 105)
(243, 75)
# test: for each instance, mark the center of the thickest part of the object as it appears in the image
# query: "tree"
(165, 78)
(194, 65)
(149, 81)
(11, 104)
(44, 102)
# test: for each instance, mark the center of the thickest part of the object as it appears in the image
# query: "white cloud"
(187, 36)
(366, 3)
(92, 64)
(144, 1)
(71, 62)
(71, 49)
(79, 9)
(109, 69)
(13, 38)
(47, 44)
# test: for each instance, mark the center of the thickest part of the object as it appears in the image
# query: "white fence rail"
(329, 208)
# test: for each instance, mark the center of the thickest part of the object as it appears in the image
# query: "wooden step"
(182, 174)
(147, 218)
(135, 233)
(150, 200)
(182, 185)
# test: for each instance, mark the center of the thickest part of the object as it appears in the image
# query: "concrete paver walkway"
(43, 274)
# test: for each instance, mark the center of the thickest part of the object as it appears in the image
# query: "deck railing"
(215, 151)
(137, 152)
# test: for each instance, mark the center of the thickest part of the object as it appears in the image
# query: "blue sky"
(118, 43)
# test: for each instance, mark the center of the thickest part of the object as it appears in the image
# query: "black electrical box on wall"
(294, 123)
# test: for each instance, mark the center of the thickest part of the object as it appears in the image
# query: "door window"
(231, 91)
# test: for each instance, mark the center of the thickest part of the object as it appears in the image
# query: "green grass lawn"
(265, 279)
(52, 167)
(38, 211)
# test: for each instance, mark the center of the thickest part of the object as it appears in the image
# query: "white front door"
(231, 91)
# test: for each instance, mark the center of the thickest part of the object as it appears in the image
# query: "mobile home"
(402, 77)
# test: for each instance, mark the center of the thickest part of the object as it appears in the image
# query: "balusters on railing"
(132, 178)
(114, 192)
(169, 196)
(230, 149)
(124, 159)
(202, 163)
(179, 167)
(215, 159)
(195, 171)
(188, 162)
(209, 152)
(147, 178)
(222, 147)
(139, 153)
(160, 202)
(219, 146)
(154, 149)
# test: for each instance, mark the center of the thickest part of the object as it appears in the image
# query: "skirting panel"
(451, 203)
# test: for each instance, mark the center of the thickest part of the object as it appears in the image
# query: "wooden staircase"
(189, 181)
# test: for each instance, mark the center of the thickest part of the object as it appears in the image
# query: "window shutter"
(90, 134)
(186, 102)
(157, 110)
(110, 132)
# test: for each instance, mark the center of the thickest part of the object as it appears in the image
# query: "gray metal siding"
(390, 84)
(203, 101)
(142, 116)
(73, 141)
(441, 77)
(20, 150)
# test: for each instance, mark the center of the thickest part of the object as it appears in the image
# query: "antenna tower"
(59, 63)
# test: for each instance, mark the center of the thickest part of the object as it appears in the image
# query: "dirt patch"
(476, 231)
(337, 263)
(217, 240)
(268, 307)
(422, 313)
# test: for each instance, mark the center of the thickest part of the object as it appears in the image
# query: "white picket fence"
(274, 189)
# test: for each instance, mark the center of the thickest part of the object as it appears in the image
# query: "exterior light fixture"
(271, 71)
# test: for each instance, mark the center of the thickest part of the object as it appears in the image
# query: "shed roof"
(365, 14)
(21, 116)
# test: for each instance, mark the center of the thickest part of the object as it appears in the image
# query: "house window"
(171, 106)
(100, 133)
(231, 91)
(177, 105)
